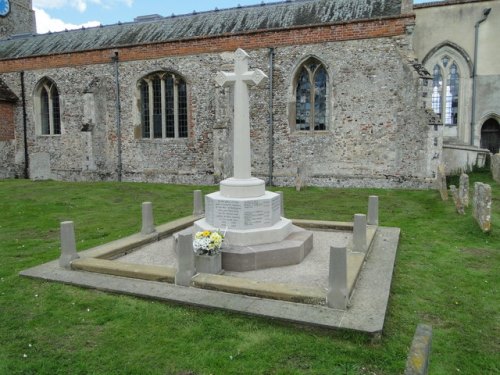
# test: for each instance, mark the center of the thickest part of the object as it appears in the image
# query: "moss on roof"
(219, 22)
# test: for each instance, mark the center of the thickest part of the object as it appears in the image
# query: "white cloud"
(80, 5)
(45, 23)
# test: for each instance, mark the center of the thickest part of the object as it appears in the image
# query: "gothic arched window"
(163, 106)
(47, 108)
(311, 96)
(445, 90)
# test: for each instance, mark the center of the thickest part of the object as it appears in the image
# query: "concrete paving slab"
(368, 302)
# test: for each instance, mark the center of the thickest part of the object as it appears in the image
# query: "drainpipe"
(271, 118)
(118, 112)
(474, 73)
(25, 128)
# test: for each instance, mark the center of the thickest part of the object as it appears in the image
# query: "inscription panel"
(251, 213)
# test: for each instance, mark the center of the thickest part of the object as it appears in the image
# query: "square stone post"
(282, 203)
(185, 258)
(373, 210)
(359, 233)
(197, 203)
(68, 245)
(148, 226)
(338, 295)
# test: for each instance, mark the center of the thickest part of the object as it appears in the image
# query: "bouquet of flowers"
(207, 242)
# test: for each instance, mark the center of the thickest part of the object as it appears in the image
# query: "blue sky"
(57, 15)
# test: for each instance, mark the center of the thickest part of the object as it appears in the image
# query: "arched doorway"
(490, 135)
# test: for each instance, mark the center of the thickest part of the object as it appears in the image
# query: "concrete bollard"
(373, 210)
(338, 295)
(198, 203)
(68, 245)
(185, 258)
(148, 226)
(359, 233)
(282, 203)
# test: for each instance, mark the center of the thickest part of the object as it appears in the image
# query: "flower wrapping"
(207, 242)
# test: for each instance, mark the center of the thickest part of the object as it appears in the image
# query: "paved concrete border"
(366, 314)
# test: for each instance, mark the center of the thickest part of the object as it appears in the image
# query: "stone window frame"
(292, 102)
(458, 56)
(49, 111)
(180, 108)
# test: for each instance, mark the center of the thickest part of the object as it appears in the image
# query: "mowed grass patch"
(446, 275)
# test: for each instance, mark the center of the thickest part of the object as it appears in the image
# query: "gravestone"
(441, 182)
(463, 189)
(495, 167)
(242, 208)
(40, 166)
(457, 200)
(481, 205)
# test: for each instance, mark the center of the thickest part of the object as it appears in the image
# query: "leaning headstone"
(441, 182)
(337, 296)
(420, 351)
(185, 257)
(68, 245)
(456, 199)
(197, 203)
(495, 167)
(359, 233)
(463, 189)
(481, 205)
(148, 226)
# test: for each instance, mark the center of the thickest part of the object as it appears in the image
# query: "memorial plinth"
(256, 236)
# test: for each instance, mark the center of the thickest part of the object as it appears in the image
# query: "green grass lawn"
(446, 275)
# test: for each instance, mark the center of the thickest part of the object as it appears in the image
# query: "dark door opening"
(490, 135)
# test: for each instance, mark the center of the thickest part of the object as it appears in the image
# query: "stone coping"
(368, 300)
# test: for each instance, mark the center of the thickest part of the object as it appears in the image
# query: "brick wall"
(249, 40)
(6, 121)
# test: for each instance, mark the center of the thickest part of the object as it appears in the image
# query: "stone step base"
(292, 250)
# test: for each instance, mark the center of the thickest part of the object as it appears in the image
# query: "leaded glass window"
(446, 90)
(49, 108)
(163, 106)
(311, 96)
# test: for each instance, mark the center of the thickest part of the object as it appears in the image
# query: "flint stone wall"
(378, 132)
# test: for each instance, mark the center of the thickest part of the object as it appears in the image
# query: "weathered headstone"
(300, 178)
(68, 245)
(463, 189)
(420, 351)
(481, 205)
(441, 182)
(495, 167)
(337, 296)
(456, 199)
(40, 166)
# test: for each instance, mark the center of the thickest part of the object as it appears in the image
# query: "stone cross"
(241, 78)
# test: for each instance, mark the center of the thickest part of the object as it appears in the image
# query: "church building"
(360, 93)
